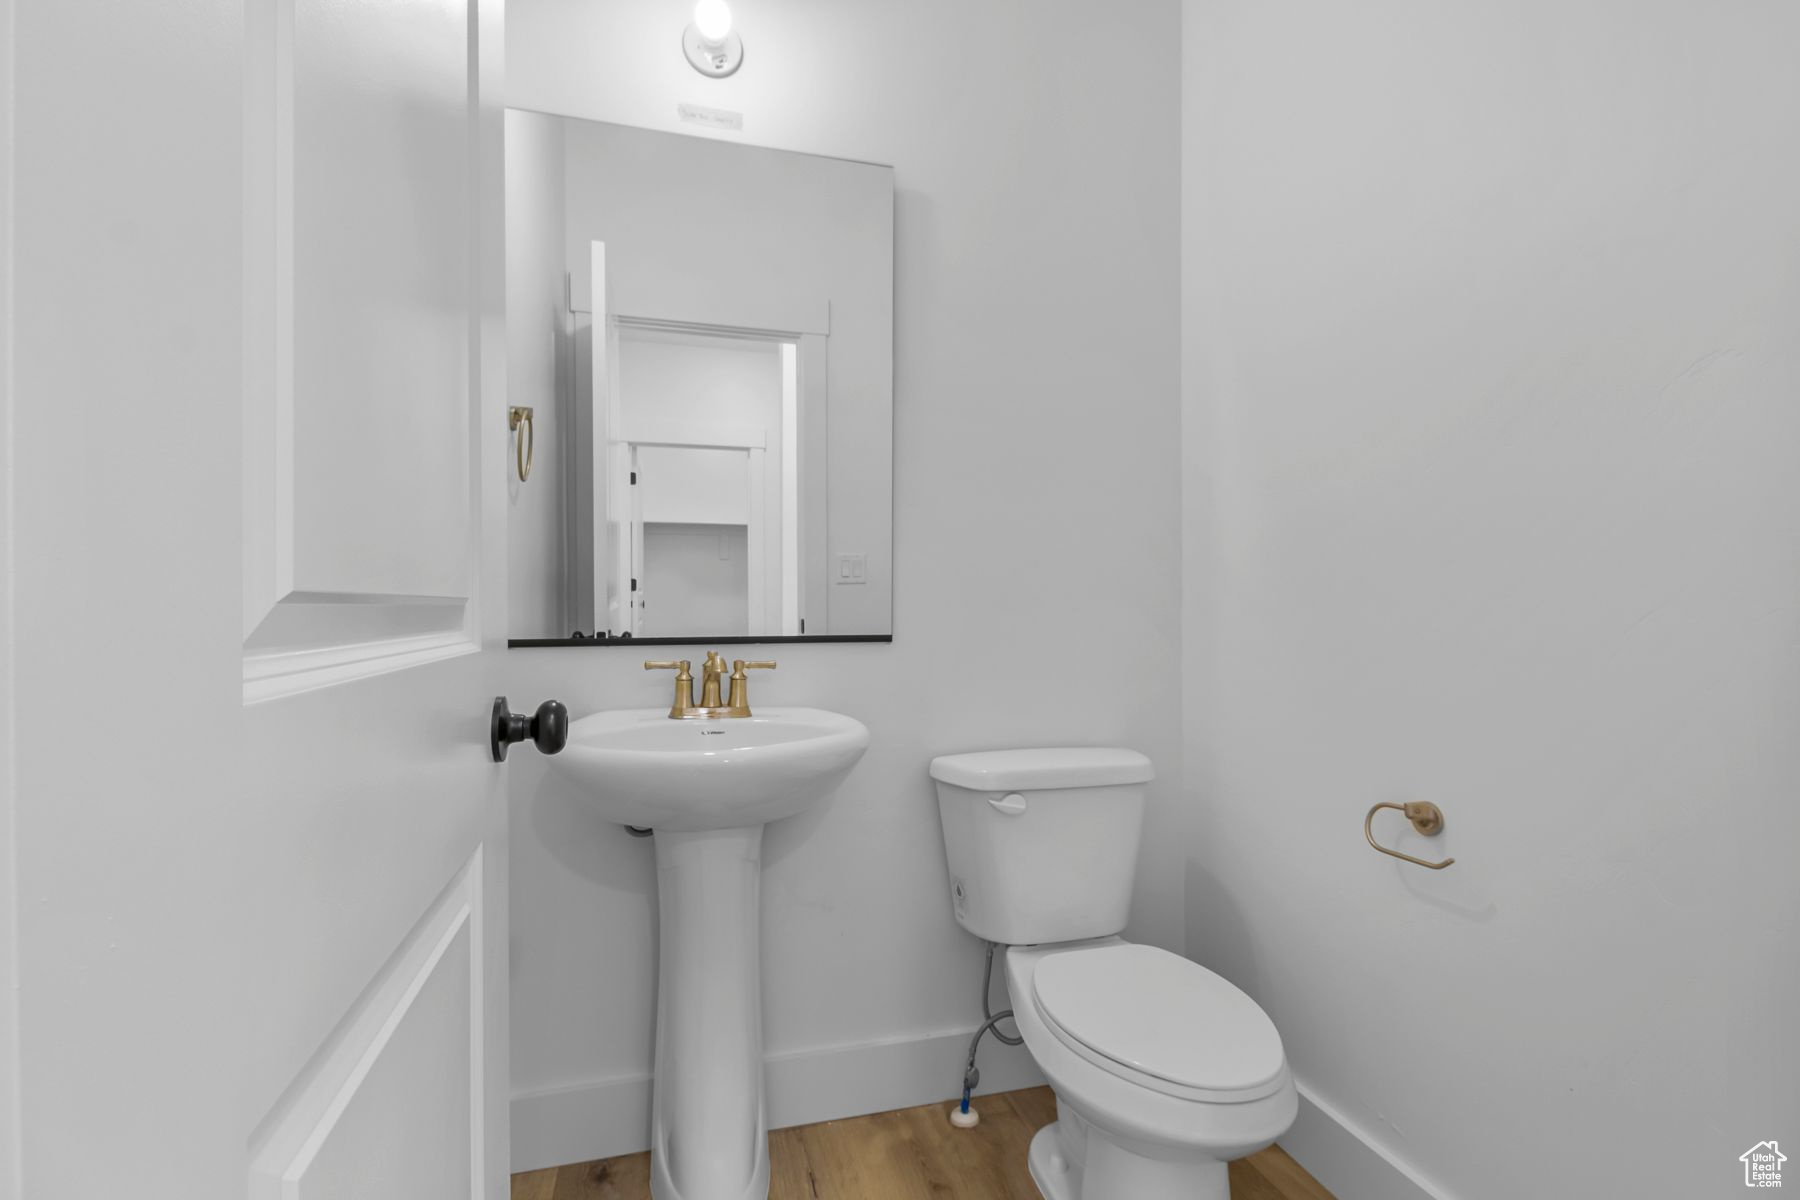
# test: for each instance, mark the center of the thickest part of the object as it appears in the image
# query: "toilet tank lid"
(1053, 767)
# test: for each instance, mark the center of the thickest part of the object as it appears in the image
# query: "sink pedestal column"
(709, 1136)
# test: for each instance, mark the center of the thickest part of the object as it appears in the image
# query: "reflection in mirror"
(705, 333)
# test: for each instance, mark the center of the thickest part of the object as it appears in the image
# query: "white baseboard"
(612, 1116)
(1351, 1164)
(575, 1124)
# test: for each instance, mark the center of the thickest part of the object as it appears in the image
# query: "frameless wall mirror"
(700, 370)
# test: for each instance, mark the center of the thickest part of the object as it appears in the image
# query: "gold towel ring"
(1426, 817)
(525, 439)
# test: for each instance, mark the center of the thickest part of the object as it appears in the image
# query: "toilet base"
(1111, 1171)
(1056, 1177)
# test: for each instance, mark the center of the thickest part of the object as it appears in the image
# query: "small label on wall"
(712, 118)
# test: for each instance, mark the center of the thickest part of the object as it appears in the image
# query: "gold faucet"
(712, 671)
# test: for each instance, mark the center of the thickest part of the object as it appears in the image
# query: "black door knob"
(548, 728)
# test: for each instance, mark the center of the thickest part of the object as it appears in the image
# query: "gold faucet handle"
(684, 685)
(739, 703)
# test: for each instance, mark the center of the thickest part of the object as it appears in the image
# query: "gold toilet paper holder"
(1426, 817)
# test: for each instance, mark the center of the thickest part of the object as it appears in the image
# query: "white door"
(257, 441)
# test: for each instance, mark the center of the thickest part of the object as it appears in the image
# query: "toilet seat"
(1160, 1021)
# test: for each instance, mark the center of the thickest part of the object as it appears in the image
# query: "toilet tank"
(1042, 843)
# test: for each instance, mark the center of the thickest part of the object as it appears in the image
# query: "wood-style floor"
(911, 1154)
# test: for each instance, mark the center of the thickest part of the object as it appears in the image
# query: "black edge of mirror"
(597, 642)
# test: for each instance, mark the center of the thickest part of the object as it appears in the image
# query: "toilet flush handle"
(1012, 804)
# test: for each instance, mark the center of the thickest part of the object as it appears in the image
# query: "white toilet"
(1163, 1070)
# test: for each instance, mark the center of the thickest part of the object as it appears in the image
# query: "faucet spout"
(712, 672)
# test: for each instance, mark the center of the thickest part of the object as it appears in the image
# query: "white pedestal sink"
(707, 787)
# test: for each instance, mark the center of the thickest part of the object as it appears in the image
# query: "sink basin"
(638, 767)
(707, 787)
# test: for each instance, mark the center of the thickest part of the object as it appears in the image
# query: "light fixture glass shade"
(712, 46)
(713, 19)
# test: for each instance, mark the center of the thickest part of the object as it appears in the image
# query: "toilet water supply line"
(971, 1076)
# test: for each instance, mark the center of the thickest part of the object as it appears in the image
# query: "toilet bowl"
(1163, 1070)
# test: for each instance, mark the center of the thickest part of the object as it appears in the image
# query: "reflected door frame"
(753, 444)
(611, 540)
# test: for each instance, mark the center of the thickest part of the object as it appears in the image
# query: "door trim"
(288, 1141)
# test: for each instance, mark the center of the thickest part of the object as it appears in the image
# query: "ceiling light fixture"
(712, 46)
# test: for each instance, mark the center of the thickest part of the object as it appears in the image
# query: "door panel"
(262, 842)
(360, 123)
(382, 120)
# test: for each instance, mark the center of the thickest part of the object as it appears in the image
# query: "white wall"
(1012, 453)
(711, 382)
(1491, 338)
(539, 369)
(698, 578)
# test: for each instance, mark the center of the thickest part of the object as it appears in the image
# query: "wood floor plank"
(1291, 1180)
(844, 1155)
(534, 1185)
(1247, 1183)
(947, 1162)
(909, 1154)
(624, 1178)
(986, 1161)
(790, 1170)
(1035, 1106)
